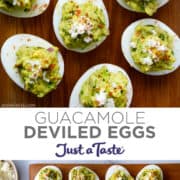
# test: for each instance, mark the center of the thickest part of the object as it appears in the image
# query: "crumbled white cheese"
(152, 43)
(36, 68)
(114, 85)
(87, 39)
(110, 103)
(81, 26)
(101, 97)
(148, 61)
(162, 48)
(133, 45)
(154, 32)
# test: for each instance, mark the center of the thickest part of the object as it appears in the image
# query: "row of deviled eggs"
(37, 66)
(115, 172)
(32, 8)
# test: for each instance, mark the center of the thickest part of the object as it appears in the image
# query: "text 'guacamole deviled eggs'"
(151, 47)
(32, 63)
(23, 8)
(117, 172)
(81, 25)
(81, 172)
(150, 172)
(143, 6)
(49, 172)
(104, 85)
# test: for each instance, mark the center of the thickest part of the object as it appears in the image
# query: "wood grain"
(148, 91)
(170, 171)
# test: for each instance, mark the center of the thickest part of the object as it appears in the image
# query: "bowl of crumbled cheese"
(8, 170)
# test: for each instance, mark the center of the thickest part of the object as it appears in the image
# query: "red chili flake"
(110, 94)
(78, 12)
(52, 66)
(100, 25)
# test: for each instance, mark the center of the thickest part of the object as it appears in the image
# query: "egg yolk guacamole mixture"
(151, 174)
(152, 48)
(38, 68)
(49, 174)
(82, 174)
(145, 6)
(11, 4)
(104, 89)
(82, 25)
(120, 175)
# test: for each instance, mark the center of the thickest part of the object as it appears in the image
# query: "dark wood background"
(149, 91)
(170, 171)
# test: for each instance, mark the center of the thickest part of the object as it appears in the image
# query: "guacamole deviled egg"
(23, 8)
(143, 6)
(151, 47)
(49, 173)
(32, 63)
(81, 25)
(103, 85)
(81, 172)
(117, 172)
(150, 172)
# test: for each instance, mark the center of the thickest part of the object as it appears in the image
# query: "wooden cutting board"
(148, 91)
(170, 171)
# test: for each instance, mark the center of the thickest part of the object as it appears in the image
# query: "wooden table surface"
(170, 171)
(149, 91)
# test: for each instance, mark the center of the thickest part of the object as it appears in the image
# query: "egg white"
(124, 5)
(78, 167)
(126, 40)
(38, 8)
(57, 19)
(10, 47)
(149, 167)
(51, 167)
(74, 98)
(113, 169)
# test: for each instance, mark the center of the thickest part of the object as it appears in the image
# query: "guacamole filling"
(9, 5)
(104, 89)
(82, 174)
(38, 68)
(82, 25)
(49, 174)
(120, 175)
(150, 174)
(145, 6)
(152, 48)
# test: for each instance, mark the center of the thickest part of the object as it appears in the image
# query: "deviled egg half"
(143, 6)
(81, 25)
(103, 85)
(23, 8)
(151, 47)
(117, 172)
(8, 170)
(150, 172)
(32, 63)
(49, 172)
(81, 172)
